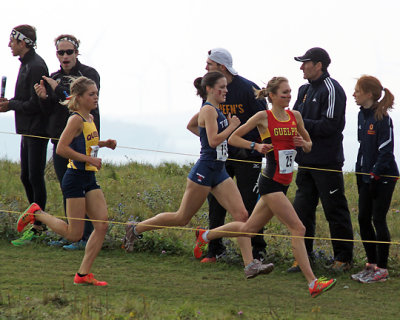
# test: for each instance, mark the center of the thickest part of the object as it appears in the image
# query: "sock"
(312, 283)
(138, 235)
(204, 236)
(81, 275)
(36, 231)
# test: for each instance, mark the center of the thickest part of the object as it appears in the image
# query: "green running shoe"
(28, 236)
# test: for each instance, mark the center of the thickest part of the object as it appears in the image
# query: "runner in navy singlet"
(208, 174)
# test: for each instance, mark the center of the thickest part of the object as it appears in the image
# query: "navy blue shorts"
(76, 183)
(267, 185)
(208, 173)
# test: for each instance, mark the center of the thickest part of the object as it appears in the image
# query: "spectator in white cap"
(222, 57)
(240, 102)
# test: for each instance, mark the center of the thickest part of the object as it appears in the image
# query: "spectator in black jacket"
(51, 99)
(322, 104)
(377, 174)
(29, 121)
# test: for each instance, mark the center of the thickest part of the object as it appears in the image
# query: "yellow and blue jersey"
(86, 143)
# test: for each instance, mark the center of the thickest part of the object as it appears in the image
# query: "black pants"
(33, 162)
(373, 205)
(328, 186)
(60, 166)
(246, 174)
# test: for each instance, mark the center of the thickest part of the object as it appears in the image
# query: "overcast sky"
(149, 52)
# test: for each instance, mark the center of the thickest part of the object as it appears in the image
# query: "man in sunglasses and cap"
(242, 164)
(322, 104)
(30, 121)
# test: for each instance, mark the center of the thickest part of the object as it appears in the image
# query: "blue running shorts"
(208, 173)
(76, 183)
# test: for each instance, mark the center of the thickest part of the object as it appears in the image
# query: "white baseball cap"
(222, 56)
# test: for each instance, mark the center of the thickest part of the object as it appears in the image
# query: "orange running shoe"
(88, 280)
(208, 260)
(321, 285)
(27, 217)
(201, 244)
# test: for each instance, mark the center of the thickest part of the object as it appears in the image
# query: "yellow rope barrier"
(191, 229)
(225, 232)
(196, 155)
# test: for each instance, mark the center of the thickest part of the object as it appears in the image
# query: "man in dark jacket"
(322, 104)
(29, 121)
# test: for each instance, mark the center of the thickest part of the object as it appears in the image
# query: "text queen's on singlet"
(280, 159)
(86, 143)
(219, 153)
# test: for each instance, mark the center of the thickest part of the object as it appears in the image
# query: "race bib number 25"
(286, 161)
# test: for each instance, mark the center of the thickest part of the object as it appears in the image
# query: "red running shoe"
(28, 217)
(321, 285)
(88, 280)
(201, 244)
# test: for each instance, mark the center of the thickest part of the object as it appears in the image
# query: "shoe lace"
(322, 280)
(27, 235)
(90, 278)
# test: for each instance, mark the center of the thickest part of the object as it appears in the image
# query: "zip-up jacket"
(376, 146)
(29, 118)
(58, 114)
(322, 104)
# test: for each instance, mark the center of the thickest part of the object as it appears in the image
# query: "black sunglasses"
(68, 52)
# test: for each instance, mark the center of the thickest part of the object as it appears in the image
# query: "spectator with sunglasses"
(30, 121)
(53, 91)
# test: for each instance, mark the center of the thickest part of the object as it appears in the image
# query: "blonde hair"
(272, 87)
(78, 87)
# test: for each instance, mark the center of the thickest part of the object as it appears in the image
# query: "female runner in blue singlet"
(79, 143)
(208, 174)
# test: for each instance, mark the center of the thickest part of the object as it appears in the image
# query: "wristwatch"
(253, 144)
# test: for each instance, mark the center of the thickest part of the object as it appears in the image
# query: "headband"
(75, 43)
(21, 37)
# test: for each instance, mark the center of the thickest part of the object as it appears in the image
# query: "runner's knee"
(241, 215)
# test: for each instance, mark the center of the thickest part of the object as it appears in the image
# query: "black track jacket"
(29, 118)
(322, 104)
(58, 114)
(376, 145)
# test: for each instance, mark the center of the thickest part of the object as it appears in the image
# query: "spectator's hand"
(40, 90)
(4, 105)
(52, 83)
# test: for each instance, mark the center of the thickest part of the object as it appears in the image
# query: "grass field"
(161, 280)
(37, 283)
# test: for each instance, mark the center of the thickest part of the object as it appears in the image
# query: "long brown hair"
(208, 80)
(370, 84)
